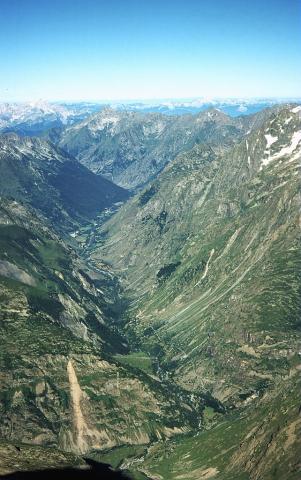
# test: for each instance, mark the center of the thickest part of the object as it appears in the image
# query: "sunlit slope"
(210, 258)
(262, 443)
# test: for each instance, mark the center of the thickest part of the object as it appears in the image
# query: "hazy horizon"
(155, 100)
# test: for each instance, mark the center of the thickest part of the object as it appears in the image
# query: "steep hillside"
(65, 381)
(210, 258)
(65, 192)
(260, 442)
(130, 147)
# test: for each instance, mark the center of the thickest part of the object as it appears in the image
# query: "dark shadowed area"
(96, 470)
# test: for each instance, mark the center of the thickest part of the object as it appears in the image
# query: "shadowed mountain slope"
(64, 191)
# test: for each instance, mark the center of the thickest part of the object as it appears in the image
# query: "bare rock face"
(84, 438)
(131, 148)
(9, 270)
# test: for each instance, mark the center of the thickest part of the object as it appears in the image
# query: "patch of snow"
(296, 138)
(247, 146)
(270, 140)
(296, 109)
(287, 150)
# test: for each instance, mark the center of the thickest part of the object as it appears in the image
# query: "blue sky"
(128, 49)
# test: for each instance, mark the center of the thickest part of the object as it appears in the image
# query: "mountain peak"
(215, 115)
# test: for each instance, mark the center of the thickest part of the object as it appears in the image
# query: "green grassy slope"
(209, 256)
(261, 442)
(210, 259)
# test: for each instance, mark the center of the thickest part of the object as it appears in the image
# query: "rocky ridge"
(130, 148)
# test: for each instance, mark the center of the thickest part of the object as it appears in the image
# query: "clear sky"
(139, 49)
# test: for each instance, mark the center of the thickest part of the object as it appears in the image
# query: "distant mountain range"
(34, 118)
(231, 106)
(130, 148)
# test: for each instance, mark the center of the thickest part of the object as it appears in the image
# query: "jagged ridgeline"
(130, 148)
(158, 333)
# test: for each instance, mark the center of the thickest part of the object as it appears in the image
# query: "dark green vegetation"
(164, 337)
